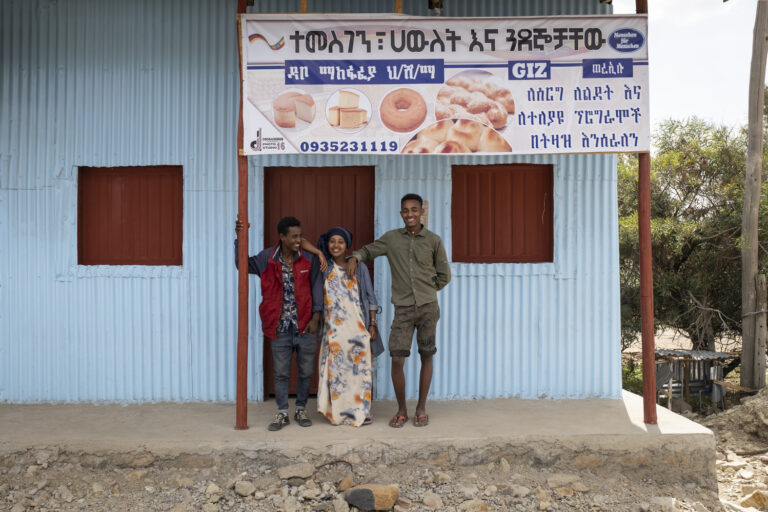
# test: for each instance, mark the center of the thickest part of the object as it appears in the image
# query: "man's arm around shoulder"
(368, 252)
(378, 247)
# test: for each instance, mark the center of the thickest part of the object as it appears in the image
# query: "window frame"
(537, 179)
(141, 216)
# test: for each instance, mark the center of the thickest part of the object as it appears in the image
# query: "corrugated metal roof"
(454, 8)
(93, 83)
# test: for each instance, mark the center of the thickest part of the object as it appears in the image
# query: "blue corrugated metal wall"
(86, 82)
(97, 83)
(528, 330)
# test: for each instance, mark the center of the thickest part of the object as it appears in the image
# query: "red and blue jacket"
(308, 286)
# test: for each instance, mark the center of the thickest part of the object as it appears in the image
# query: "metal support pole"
(241, 404)
(646, 287)
(646, 274)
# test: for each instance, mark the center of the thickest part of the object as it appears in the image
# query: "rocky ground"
(742, 452)
(44, 480)
(52, 480)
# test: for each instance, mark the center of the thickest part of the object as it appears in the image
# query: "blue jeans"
(282, 351)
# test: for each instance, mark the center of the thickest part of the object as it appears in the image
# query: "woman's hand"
(373, 330)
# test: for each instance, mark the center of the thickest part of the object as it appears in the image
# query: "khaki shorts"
(423, 319)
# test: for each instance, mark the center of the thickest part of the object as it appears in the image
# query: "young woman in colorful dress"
(350, 336)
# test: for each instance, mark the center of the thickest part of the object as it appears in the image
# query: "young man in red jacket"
(291, 302)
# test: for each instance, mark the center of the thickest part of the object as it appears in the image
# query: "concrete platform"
(597, 435)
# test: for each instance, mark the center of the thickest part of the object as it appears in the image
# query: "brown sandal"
(398, 421)
(421, 420)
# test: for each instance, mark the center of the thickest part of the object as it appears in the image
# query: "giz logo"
(256, 144)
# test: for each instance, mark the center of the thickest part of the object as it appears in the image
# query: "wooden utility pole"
(752, 182)
(241, 393)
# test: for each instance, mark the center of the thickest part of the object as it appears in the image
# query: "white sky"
(699, 57)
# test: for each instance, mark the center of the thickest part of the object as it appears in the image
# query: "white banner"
(399, 84)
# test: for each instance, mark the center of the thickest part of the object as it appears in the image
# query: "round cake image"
(403, 110)
(293, 108)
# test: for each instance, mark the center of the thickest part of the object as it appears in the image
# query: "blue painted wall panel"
(92, 83)
(86, 82)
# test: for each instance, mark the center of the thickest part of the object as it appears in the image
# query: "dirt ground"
(50, 481)
(53, 480)
(47, 481)
(742, 448)
(741, 433)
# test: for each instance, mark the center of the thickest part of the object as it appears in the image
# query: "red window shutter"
(502, 213)
(130, 215)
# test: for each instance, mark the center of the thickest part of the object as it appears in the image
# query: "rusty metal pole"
(646, 273)
(241, 404)
(646, 287)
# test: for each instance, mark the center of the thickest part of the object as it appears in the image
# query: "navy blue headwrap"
(322, 243)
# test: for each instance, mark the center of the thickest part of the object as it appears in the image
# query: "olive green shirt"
(418, 263)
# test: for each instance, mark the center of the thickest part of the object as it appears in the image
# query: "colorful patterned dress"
(345, 378)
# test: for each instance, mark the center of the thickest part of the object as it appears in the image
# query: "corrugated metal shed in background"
(86, 82)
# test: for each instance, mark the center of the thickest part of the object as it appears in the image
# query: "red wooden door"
(321, 198)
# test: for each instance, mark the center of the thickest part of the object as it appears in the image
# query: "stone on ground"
(244, 488)
(758, 500)
(347, 482)
(301, 470)
(561, 480)
(474, 506)
(432, 500)
(372, 496)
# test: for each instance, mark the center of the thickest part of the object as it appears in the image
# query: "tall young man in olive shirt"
(419, 269)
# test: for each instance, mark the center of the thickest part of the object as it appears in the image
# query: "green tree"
(696, 203)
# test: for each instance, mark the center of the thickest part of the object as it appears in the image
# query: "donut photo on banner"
(402, 110)
(476, 95)
(457, 136)
(348, 110)
(293, 108)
